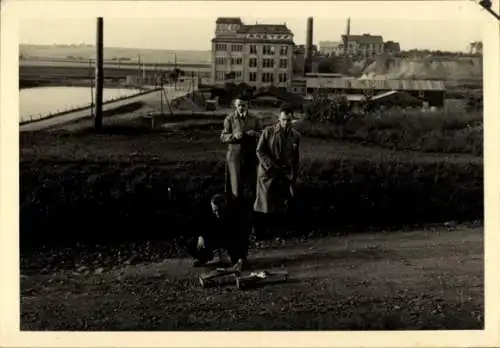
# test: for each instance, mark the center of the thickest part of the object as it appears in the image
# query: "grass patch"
(432, 132)
(73, 187)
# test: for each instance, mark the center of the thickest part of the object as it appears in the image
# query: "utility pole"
(91, 89)
(99, 75)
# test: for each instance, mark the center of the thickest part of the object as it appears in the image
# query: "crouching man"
(226, 228)
(278, 154)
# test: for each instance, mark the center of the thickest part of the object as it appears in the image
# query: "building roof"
(365, 38)
(342, 83)
(242, 40)
(228, 20)
(265, 29)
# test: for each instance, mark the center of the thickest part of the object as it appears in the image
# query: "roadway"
(172, 94)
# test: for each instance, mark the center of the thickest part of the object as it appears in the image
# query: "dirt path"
(429, 279)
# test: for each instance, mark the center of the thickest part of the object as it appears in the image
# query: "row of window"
(252, 76)
(266, 49)
(252, 63)
(224, 60)
(227, 47)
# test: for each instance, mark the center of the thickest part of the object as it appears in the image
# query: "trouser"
(242, 171)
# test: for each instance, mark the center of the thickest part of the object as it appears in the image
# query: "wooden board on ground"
(259, 278)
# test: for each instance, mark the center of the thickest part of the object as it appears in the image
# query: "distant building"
(366, 44)
(392, 47)
(476, 47)
(301, 50)
(259, 55)
(330, 48)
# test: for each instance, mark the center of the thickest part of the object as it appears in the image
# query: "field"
(96, 216)
(148, 56)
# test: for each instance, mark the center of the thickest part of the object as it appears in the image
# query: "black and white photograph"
(239, 166)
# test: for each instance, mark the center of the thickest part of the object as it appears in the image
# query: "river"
(47, 100)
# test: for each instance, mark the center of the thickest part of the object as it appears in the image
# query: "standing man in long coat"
(278, 155)
(241, 132)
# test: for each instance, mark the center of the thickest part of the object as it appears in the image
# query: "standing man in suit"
(241, 132)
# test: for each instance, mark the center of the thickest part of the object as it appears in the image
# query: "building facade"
(259, 55)
(392, 47)
(301, 50)
(330, 48)
(366, 45)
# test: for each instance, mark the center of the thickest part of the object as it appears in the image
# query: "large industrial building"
(259, 55)
(431, 91)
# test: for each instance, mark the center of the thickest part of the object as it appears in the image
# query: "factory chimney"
(308, 49)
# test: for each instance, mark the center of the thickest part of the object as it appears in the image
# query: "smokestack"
(309, 44)
(347, 34)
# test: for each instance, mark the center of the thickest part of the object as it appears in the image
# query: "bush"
(431, 132)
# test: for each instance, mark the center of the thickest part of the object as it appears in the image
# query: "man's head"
(219, 205)
(240, 105)
(285, 118)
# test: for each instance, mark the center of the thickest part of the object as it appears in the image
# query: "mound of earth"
(426, 68)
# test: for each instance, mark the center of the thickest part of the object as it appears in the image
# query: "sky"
(448, 25)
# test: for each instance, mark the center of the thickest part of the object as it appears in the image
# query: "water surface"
(43, 101)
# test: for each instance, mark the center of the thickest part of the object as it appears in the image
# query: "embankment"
(111, 187)
(432, 68)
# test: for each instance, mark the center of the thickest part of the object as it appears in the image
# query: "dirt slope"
(429, 279)
(427, 68)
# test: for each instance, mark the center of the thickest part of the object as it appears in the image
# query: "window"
(236, 48)
(253, 49)
(268, 50)
(252, 76)
(282, 77)
(284, 50)
(283, 63)
(268, 63)
(237, 61)
(220, 75)
(268, 77)
(221, 47)
(220, 60)
(252, 63)
(238, 75)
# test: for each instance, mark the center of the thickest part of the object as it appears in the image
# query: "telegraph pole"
(99, 75)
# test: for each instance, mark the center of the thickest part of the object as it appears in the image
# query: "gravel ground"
(426, 279)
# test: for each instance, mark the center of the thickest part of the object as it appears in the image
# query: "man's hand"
(252, 133)
(238, 135)
(201, 243)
